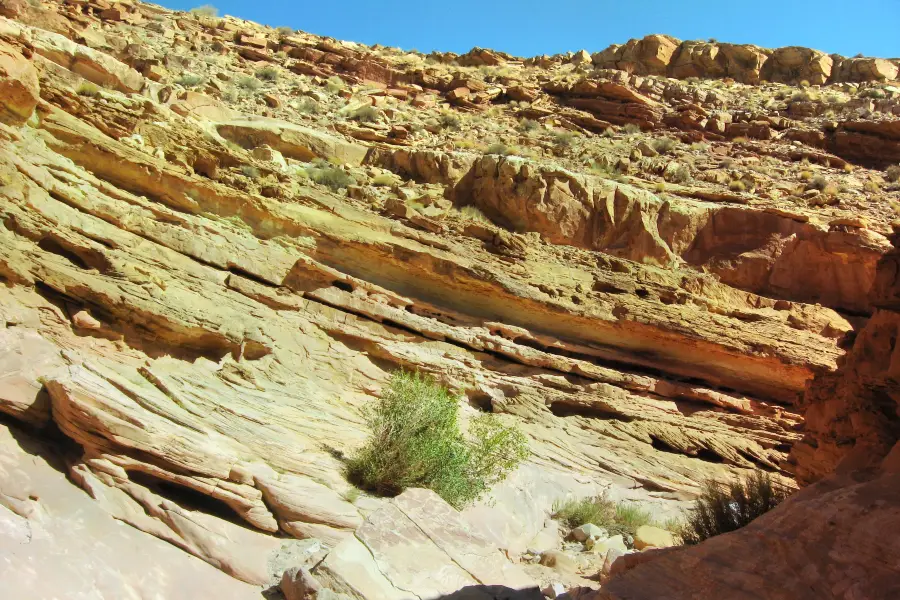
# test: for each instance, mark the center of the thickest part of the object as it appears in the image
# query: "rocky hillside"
(218, 240)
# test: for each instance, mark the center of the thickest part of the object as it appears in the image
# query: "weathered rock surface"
(820, 543)
(194, 310)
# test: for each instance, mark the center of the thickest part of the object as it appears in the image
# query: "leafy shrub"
(892, 174)
(86, 88)
(189, 80)
(207, 10)
(615, 517)
(284, 31)
(737, 186)
(415, 441)
(631, 129)
(251, 84)
(267, 74)
(727, 507)
(664, 145)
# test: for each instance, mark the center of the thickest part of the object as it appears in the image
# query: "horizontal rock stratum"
(218, 241)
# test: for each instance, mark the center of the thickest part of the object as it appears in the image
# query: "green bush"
(308, 106)
(631, 129)
(189, 80)
(450, 121)
(248, 83)
(529, 125)
(267, 74)
(727, 507)
(86, 88)
(329, 176)
(415, 441)
(334, 84)
(563, 139)
(615, 517)
(892, 174)
(817, 183)
(473, 213)
(664, 145)
(499, 148)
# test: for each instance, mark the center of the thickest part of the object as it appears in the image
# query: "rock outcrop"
(209, 268)
(818, 543)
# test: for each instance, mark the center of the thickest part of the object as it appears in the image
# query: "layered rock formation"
(218, 240)
(827, 541)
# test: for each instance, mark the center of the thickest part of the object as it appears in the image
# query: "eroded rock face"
(818, 542)
(194, 310)
(18, 86)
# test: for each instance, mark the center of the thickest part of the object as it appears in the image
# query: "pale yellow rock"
(648, 536)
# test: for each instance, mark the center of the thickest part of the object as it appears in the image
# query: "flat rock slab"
(418, 544)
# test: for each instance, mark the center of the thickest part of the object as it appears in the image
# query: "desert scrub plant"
(207, 10)
(892, 174)
(267, 74)
(323, 173)
(366, 114)
(250, 171)
(528, 125)
(664, 145)
(247, 83)
(189, 80)
(499, 148)
(308, 106)
(631, 129)
(473, 213)
(817, 183)
(449, 121)
(615, 517)
(563, 139)
(724, 507)
(737, 186)
(88, 89)
(415, 441)
(334, 84)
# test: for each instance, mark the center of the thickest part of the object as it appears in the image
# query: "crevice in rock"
(187, 498)
(81, 258)
(565, 409)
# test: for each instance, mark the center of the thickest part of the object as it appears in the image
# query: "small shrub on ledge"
(416, 441)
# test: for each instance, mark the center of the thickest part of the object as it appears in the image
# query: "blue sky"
(530, 27)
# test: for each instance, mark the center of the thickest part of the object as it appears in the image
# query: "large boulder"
(19, 91)
(794, 64)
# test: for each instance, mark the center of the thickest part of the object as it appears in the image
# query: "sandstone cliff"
(217, 241)
(829, 540)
